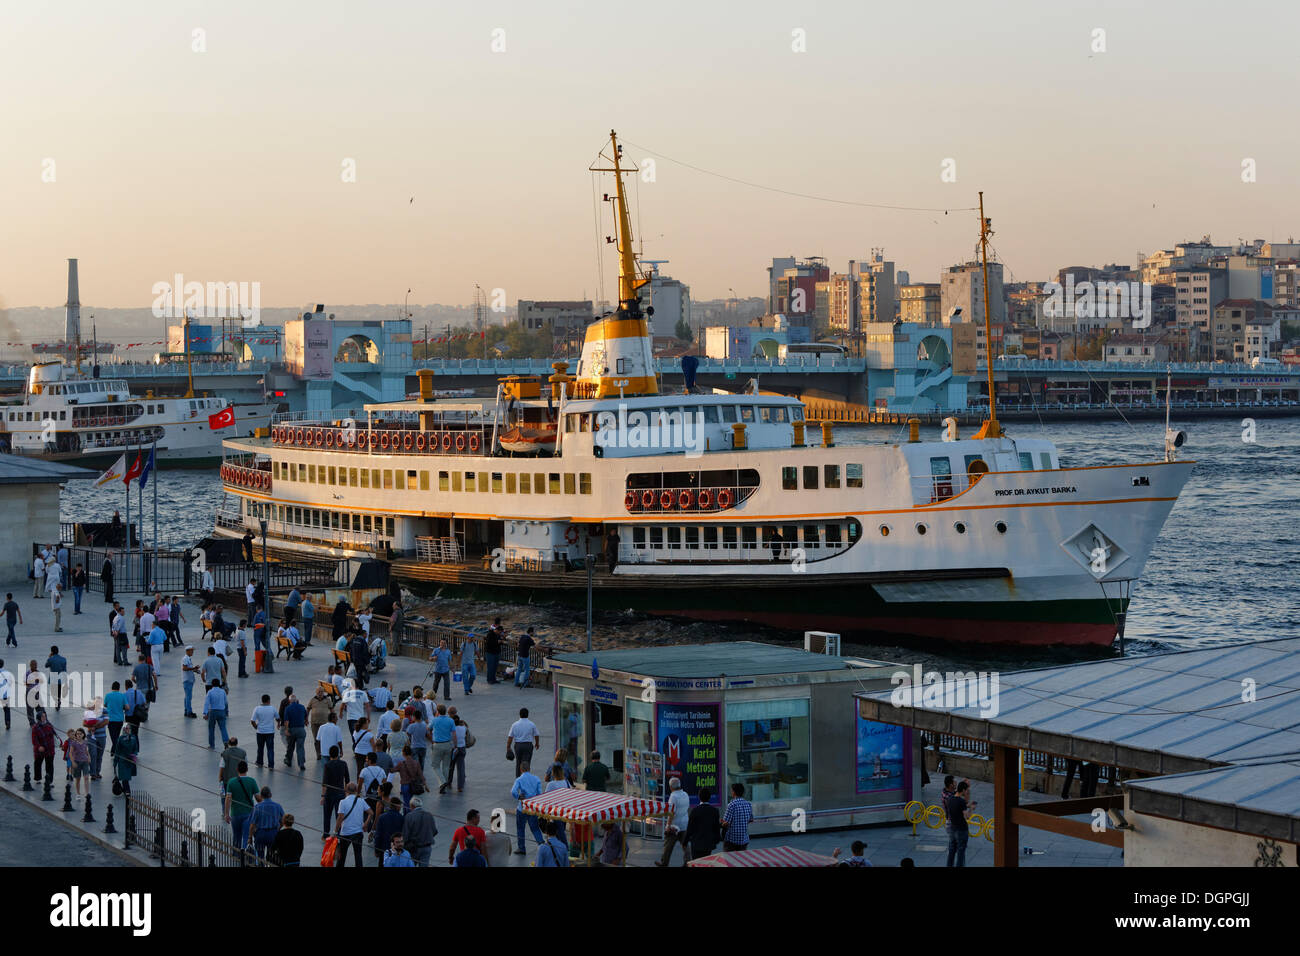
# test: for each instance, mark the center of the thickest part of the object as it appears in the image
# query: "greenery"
(683, 331)
(1092, 348)
(511, 341)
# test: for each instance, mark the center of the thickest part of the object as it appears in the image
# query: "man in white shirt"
(353, 814)
(265, 717)
(146, 622)
(522, 740)
(38, 577)
(329, 735)
(675, 831)
(222, 647)
(53, 574)
(116, 629)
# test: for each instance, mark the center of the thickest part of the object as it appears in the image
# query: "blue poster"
(883, 762)
(689, 739)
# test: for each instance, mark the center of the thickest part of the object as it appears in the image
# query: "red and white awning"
(591, 806)
(768, 856)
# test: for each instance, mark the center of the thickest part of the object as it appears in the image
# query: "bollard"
(9, 770)
(27, 778)
(47, 795)
(67, 798)
(89, 817)
(108, 820)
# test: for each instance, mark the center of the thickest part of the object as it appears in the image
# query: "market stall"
(584, 810)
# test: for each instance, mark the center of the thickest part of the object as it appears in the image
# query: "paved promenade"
(179, 771)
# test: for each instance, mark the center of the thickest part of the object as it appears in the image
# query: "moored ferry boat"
(711, 506)
(64, 416)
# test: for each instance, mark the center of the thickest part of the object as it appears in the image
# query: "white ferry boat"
(64, 416)
(709, 506)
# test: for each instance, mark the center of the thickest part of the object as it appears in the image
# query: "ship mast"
(630, 281)
(990, 429)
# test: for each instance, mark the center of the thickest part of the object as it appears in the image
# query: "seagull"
(412, 200)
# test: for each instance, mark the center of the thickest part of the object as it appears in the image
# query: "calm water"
(1223, 569)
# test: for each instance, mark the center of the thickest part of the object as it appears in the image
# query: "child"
(364, 620)
(241, 645)
(79, 758)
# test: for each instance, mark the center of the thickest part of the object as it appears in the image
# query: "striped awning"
(768, 856)
(590, 806)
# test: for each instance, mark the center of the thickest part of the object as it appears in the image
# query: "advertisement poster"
(689, 739)
(883, 762)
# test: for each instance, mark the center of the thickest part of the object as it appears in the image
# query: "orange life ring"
(647, 498)
(266, 480)
(473, 442)
(361, 439)
(350, 436)
(666, 500)
(383, 441)
(408, 441)
(685, 499)
(420, 441)
(320, 436)
(445, 442)
(311, 439)
(460, 442)
(724, 498)
(629, 501)
(329, 438)
(298, 437)
(571, 534)
(706, 498)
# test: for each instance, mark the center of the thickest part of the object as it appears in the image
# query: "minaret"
(72, 322)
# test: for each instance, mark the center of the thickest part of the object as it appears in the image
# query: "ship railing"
(319, 417)
(708, 500)
(439, 550)
(248, 474)
(931, 489)
(335, 537)
(451, 438)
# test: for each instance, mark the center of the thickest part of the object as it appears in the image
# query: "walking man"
(441, 658)
(78, 587)
(57, 665)
(265, 718)
(241, 793)
(295, 723)
(13, 615)
(38, 577)
(522, 740)
(492, 650)
(215, 707)
(524, 658)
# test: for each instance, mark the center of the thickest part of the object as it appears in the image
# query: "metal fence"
(175, 837)
(1034, 759)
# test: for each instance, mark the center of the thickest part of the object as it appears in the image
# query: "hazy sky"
(226, 165)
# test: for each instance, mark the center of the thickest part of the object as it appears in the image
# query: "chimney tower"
(72, 322)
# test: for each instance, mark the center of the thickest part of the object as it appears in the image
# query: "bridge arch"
(358, 348)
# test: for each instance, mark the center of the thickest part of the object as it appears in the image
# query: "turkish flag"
(137, 466)
(222, 419)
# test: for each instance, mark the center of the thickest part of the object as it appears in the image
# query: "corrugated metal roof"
(15, 469)
(1263, 786)
(1187, 704)
(732, 658)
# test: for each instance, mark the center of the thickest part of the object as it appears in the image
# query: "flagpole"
(126, 550)
(144, 582)
(153, 460)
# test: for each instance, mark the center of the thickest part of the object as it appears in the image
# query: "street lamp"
(266, 603)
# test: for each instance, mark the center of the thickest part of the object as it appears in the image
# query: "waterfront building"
(1231, 318)
(779, 720)
(919, 303)
(962, 287)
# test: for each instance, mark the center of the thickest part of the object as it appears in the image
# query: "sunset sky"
(225, 165)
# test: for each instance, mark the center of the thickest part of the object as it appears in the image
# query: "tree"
(683, 331)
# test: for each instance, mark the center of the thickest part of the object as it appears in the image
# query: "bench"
(285, 646)
(342, 657)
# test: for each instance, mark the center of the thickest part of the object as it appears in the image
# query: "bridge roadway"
(837, 378)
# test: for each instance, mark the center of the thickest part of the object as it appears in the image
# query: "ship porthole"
(921, 528)
(884, 530)
(960, 527)
(1002, 527)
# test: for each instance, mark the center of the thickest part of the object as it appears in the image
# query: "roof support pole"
(1006, 797)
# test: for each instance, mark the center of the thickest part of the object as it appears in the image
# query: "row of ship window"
(829, 476)
(398, 479)
(325, 521)
(744, 537)
(710, 414)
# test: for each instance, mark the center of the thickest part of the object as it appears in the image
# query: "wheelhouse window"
(789, 478)
(831, 474)
(810, 477)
